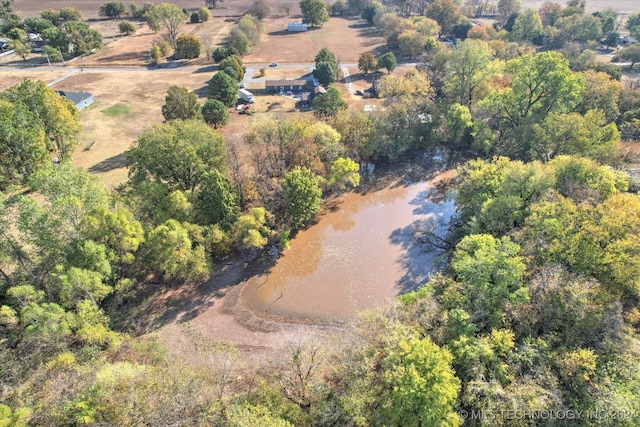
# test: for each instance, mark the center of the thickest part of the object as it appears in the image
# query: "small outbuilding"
(297, 27)
(80, 99)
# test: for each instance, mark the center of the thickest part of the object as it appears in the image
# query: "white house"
(80, 99)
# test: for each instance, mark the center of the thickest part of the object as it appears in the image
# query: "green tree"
(601, 92)
(37, 25)
(188, 46)
(113, 9)
(411, 43)
(633, 24)
(325, 72)
(56, 115)
(367, 62)
(371, 10)
(171, 18)
(235, 62)
(422, 386)
(466, 68)
(215, 113)
(506, 8)
(47, 326)
(388, 61)
(216, 201)
(126, 27)
(223, 88)
(302, 194)
(251, 27)
(540, 85)
(527, 27)
(342, 172)
(629, 54)
(170, 253)
(220, 53)
(73, 36)
(23, 146)
(76, 284)
(492, 273)
(579, 28)
(445, 13)
(118, 231)
(314, 12)
(251, 230)
(21, 416)
(325, 55)
(21, 48)
(357, 131)
(578, 134)
(249, 415)
(176, 153)
(238, 41)
(6, 7)
(67, 14)
(180, 104)
(398, 377)
(328, 104)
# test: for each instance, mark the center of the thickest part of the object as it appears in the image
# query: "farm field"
(623, 6)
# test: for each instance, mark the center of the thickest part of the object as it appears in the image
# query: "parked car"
(359, 92)
(241, 85)
(273, 64)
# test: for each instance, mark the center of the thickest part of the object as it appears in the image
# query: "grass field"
(116, 110)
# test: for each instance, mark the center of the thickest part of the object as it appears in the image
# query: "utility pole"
(50, 66)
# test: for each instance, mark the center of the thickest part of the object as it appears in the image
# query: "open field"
(128, 100)
(623, 6)
(89, 8)
(346, 37)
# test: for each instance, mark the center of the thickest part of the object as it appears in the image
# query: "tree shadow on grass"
(116, 162)
(202, 92)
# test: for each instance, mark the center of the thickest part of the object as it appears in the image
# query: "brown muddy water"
(360, 255)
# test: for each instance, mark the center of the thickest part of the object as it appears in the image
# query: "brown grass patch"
(346, 37)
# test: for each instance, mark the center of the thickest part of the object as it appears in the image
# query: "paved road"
(251, 70)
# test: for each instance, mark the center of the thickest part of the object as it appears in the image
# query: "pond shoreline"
(322, 280)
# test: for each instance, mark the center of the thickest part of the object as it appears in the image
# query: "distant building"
(277, 86)
(79, 99)
(297, 27)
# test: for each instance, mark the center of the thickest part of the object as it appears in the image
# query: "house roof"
(75, 97)
(286, 82)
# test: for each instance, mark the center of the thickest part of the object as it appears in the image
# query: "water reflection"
(359, 255)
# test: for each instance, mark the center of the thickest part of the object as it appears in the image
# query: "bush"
(188, 46)
(204, 14)
(126, 27)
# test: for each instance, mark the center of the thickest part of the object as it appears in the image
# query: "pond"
(360, 255)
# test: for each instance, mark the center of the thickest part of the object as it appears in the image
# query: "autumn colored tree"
(367, 62)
